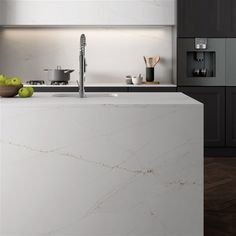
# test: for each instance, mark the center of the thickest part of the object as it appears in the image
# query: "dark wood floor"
(220, 197)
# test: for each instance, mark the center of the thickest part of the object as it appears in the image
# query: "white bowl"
(137, 80)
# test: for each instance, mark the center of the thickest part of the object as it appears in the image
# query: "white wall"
(112, 53)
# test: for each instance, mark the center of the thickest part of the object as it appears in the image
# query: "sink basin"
(87, 95)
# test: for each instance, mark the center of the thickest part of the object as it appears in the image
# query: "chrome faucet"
(82, 66)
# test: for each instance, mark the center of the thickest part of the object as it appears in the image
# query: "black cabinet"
(137, 89)
(206, 18)
(202, 18)
(107, 89)
(213, 99)
(231, 116)
(231, 15)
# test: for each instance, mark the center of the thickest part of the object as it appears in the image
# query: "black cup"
(203, 72)
(196, 72)
(150, 74)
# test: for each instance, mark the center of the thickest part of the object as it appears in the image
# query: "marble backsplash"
(112, 53)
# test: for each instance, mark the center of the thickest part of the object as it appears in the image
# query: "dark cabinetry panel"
(107, 89)
(203, 18)
(213, 99)
(231, 116)
(231, 12)
(152, 89)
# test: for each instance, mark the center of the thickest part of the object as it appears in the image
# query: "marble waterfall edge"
(133, 166)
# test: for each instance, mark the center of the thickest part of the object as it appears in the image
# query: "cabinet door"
(107, 89)
(202, 18)
(213, 99)
(152, 89)
(231, 11)
(231, 116)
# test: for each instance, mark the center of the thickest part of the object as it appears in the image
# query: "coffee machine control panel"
(200, 43)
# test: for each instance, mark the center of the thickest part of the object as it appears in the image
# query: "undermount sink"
(87, 95)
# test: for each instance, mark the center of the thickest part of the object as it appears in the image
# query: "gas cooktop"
(42, 82)
(35, 82)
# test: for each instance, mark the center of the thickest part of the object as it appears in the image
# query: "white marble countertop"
(125, 165)
(106, 85)
(101, 99)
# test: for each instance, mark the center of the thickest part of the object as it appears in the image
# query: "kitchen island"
(109, 164)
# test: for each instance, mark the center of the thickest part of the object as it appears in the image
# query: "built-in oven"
(201, 62)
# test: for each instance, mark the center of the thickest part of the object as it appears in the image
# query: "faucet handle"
(82, 40)
(78, 84)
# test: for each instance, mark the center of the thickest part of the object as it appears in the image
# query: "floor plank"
(220, 197)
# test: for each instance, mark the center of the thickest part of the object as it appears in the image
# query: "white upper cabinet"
(90, 12)
(2, 12)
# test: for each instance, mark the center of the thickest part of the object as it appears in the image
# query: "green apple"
(3, 79)
(8, 82)
(15, 81)
(31, 90)
(24, 92)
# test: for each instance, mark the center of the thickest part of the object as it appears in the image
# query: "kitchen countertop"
(102, 99)
(107, 85)
(125, 165)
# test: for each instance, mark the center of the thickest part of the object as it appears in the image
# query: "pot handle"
(69, 71)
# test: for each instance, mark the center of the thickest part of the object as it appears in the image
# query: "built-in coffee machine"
(201, 62)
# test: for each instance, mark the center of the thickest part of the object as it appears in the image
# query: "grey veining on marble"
(89, 169)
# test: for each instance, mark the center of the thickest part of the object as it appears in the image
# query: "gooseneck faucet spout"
(82, 66)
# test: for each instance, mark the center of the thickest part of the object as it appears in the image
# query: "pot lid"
(60, 69)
